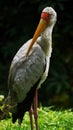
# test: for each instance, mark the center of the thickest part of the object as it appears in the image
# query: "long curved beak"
(40, 28)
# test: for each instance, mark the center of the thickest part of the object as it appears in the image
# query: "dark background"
(18, 21)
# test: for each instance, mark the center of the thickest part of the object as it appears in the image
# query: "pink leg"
(31, 118)
(35, 109)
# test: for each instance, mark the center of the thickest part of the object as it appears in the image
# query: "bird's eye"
(45, 16)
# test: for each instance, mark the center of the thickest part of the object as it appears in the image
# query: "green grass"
(48, 120)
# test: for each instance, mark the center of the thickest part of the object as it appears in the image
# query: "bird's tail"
(21, 108)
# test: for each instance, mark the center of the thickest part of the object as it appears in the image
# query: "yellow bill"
(41, 27)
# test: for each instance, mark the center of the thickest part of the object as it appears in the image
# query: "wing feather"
(25, 71)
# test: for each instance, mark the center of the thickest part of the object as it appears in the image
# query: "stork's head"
(48, 18)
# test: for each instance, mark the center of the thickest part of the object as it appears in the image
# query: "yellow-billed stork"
(30, 66)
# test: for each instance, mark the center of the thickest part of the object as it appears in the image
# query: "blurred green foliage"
(18, 21)
(48, 119)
